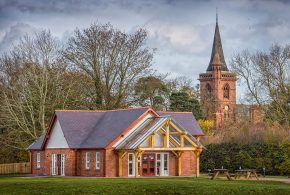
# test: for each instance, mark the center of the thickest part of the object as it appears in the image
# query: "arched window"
(208, 89)
(227, 91)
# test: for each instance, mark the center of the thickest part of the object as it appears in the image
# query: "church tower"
(218, 86)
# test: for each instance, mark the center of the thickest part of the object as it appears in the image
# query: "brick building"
(218, 86)
(125, 143)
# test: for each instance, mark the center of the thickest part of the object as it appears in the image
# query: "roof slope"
(217, 54)
(36, 145)
(186, 120)
(93, 129)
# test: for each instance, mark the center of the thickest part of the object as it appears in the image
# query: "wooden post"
(197, 154)
(178, 155)
(137, 155)
(179, 164)
(182, 140)
(120, 156)
(152, 141)
(167, 135)
(136, 164)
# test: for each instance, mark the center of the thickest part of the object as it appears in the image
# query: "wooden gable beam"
(169, 149)
(190, 141)
(167, 134)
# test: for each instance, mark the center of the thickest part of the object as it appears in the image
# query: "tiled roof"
(97, 129)
(37, 144)
(93, 129)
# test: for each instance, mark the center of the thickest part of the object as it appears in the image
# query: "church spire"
(217, 55)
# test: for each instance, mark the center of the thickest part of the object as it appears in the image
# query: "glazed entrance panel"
(162, 164)
(148, 164)
(155, 164)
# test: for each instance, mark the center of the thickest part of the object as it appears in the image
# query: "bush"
(273, 156)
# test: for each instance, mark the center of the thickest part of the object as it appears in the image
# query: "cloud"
(13, 35)
(181, 30)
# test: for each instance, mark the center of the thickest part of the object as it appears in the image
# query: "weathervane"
(216, 15)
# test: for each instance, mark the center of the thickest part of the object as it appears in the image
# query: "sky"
(181, 30)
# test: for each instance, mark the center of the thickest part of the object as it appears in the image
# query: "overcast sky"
(181, 30)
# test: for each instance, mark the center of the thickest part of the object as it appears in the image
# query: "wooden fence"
(14, 168)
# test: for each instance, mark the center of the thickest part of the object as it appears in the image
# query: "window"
(165, 161)
(131, 164)
(98, 160)
(158, 164)
(38, 160)
(62, 164)
(208, 90)
(226, 91)
(162, 164)
(87, 160)
(53, 162)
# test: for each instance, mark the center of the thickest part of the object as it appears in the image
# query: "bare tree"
(34, 81)
(267, 78)
(112, 59)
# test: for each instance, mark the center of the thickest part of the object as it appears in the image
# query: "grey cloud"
(181, 30)
(13, 35)
(52, 6)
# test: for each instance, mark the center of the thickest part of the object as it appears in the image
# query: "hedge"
(275, 158)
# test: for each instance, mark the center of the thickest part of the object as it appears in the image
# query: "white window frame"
(161, 160)
(98, 160)
(53, 164)
(133, 164)
(38, 160)
(87, 162)
(165, 173)
(62, 165)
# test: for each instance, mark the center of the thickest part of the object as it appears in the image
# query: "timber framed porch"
(157, 139)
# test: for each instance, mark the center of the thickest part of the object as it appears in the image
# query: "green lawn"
(202, 185)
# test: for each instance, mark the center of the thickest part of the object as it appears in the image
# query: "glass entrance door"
(58, 164)
(148, 164)
(162, 164)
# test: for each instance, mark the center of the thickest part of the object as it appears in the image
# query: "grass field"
(186, 185)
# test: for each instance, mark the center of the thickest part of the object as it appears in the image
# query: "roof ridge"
(174, 112)
(115, 110)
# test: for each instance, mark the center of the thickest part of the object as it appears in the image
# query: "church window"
(226, 91)
(208, 89)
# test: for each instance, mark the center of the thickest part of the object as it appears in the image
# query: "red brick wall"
(75, 163)
(172, 164)
(34, 168)
(111, 163)
(217, 80)
(188, 164)
(92, 171)
(45, 161)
